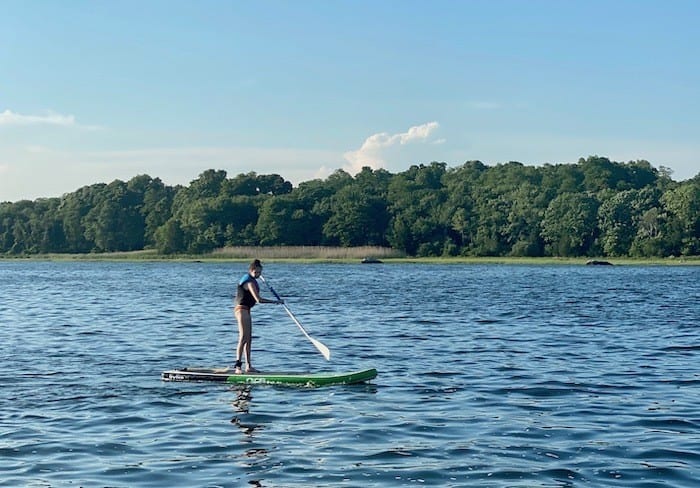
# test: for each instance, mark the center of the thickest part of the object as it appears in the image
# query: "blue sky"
(91, 91)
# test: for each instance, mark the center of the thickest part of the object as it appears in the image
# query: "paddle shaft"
(318, 344)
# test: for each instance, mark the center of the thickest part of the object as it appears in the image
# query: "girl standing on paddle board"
(247, 295)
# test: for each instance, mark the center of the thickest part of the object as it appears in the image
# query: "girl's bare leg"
(244, 337)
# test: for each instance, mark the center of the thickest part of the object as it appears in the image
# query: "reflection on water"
(242, 405)
(243, 396)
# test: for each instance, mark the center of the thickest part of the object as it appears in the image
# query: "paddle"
(319, 345)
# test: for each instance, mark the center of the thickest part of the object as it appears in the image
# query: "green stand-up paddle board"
(300, 379)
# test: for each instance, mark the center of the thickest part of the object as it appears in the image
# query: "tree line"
(595, 207)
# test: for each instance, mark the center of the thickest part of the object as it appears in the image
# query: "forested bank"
(595, 207)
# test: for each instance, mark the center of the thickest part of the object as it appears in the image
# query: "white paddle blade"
(318, 344)
(321, 348)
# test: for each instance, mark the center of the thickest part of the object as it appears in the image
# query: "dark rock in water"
(371, 261)
(594, 262)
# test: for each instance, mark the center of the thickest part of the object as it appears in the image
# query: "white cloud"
(322, 173)
(10, 118)
(374, 152)
(418, 132)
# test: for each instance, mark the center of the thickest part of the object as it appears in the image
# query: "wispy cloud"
(8, 118)
(374, 151)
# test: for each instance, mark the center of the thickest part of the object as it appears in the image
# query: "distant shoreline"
(310, 254)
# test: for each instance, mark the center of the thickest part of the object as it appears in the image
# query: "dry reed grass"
(305, 252)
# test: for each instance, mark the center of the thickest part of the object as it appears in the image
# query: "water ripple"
(517, 376)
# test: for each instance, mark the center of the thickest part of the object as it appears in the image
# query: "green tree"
(508, 209)
(357, 218)
(648, 239)
(208, 184)
(561, 178)
(416, 201)
(523, 221)
(600, 173)
(7, 220)
(273, 184)
(287, 221)
(682, 229)
(252, 184)
(459, 210)
(594, 206)
(359, 213)
(197, 212)
(238, 215)
(311, 202)
(47, 229)
(620, 220)
(202, 230)
(492, 209)
(169, 238)
(569, 224)
(115, 221)
(616, 223)
(155, 201)
(73, 211)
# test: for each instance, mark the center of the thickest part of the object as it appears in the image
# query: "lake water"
(489, 376)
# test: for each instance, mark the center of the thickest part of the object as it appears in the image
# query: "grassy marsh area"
(326, 254)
